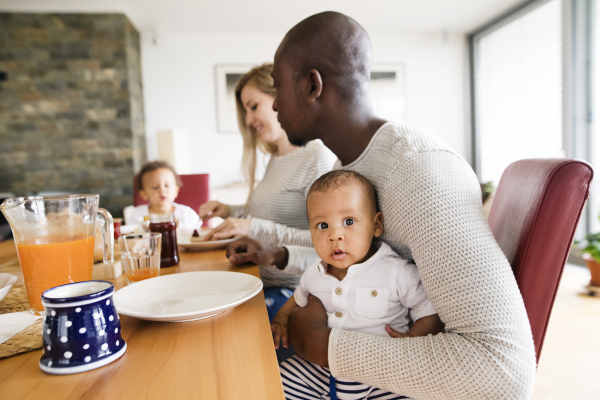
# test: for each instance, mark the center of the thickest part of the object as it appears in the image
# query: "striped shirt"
(278, 205)
(303, 380)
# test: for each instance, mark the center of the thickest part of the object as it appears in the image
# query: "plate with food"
(186, 296)
(195, 240)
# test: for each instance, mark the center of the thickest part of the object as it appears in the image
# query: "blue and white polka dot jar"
(82, 330)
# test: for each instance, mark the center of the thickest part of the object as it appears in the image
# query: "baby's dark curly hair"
(153, 166)
(337, 178)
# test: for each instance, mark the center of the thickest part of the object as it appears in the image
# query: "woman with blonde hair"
(275, 212)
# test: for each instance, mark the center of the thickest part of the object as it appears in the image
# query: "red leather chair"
(534, 215)
(194, 191)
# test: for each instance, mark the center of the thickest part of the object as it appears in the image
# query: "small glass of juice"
(140, 255)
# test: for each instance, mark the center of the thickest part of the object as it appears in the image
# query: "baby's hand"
(279, 330)
(394, 333)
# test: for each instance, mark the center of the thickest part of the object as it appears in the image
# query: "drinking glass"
(140, 255)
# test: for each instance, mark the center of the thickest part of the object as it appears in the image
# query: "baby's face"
(159, 187)
(343, 224)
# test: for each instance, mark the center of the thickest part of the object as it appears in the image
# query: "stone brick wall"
(71, 108)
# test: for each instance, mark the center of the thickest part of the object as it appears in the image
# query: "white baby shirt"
(188, 218)
(386, 289)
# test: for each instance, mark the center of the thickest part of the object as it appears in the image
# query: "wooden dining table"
(228, 356)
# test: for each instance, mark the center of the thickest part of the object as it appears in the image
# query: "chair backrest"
(195, 190)
(534, 215)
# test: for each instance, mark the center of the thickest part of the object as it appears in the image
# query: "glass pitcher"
(55, 239)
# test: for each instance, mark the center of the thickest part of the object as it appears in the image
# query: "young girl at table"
(158, 183)
(363, 284)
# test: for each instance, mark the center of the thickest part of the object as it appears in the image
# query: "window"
(517, 89)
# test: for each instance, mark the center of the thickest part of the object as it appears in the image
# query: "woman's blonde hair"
(260, 77)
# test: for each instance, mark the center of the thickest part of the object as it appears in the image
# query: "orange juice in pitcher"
(55, 236)
(61, 259)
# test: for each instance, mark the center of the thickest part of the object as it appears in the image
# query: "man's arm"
(310, 336)
(433, 203)
(246, 251)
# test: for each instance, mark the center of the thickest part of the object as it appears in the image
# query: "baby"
(363, 284)
(158, 183)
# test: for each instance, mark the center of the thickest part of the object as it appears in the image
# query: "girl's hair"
(153, 166)
(260, 77)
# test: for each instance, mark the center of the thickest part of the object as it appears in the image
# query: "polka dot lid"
(82, 329)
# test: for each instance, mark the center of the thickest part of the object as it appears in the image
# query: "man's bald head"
(336, 46)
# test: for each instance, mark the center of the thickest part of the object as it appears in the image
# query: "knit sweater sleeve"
(487, 349)
(275, 234)
(239, 211)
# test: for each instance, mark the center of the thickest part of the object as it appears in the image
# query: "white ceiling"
(280, 15)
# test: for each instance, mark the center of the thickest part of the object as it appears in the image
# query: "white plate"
(184, 239)
(6, 283)
(186, 296)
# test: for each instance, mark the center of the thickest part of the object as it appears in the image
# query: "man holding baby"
(431, 201)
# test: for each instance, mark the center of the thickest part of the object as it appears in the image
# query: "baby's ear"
(378, 225)
(143, 194)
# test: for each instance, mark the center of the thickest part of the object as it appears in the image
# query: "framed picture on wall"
(226, 77)
(388, 91)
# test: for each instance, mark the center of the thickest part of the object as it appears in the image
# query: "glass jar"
(166, 225)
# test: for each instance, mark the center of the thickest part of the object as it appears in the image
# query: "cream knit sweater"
(431, 202)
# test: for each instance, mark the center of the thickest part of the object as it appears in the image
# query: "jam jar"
(167, 226)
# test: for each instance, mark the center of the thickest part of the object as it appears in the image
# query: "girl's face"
(159, 188)
(260, 114)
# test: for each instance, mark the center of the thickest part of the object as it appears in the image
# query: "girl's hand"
(213, 209)
(230, 227)
(280, 331)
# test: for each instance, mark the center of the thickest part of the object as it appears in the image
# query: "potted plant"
(591, 254)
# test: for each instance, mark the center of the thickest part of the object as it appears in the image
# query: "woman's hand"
(230, 227)
(213, 209)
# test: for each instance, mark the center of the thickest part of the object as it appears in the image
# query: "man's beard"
(296, 140)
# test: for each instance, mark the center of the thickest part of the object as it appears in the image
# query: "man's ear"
(316, 85)
(143, 194)
(378, 225)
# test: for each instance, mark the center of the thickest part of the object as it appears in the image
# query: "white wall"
(179, 89)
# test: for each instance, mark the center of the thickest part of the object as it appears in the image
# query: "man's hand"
(309, 332)
(250, 251)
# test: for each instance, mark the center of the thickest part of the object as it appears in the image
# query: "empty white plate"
(186, 296)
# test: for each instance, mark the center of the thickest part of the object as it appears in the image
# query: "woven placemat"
(28, 339)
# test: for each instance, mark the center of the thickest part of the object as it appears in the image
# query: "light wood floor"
(569, 367)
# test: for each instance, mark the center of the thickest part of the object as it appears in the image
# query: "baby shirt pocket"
(371, 302)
